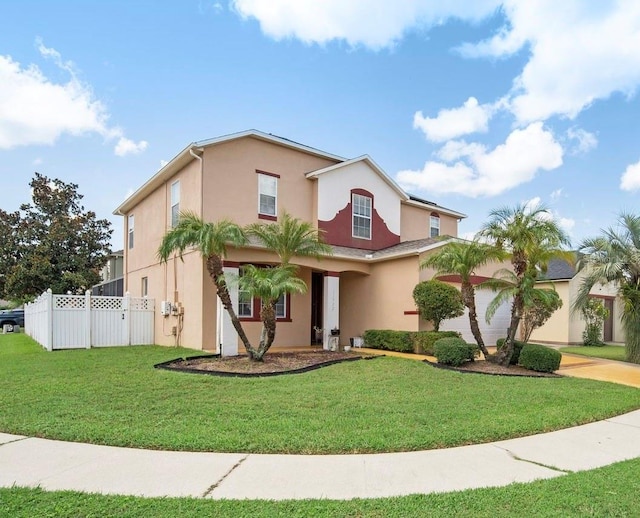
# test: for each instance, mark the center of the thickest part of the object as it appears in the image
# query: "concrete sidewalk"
(55, 465)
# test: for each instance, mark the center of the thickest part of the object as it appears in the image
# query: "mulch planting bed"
(493, 369)
(274, 363)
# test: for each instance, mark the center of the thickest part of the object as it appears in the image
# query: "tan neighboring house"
(379, 234)
(566, 326)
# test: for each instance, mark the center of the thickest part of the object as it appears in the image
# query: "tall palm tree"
(211, 240)
(614, 256)
(532, 238)
(463, 258)
(289, 237)
(269, 284)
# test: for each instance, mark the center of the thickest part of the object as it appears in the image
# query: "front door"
(317, 288)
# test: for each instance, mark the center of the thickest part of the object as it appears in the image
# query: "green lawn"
(609, 491)
(608, 352)
(114, 396)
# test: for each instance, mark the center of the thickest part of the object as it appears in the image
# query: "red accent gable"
(339, 230)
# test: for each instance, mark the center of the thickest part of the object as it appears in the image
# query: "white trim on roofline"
(184, 157)
(435, 208)
(371, 163)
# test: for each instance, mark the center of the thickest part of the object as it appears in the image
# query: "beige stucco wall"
(566, 326)
(415, 224)
(379, 300)
(230, 183)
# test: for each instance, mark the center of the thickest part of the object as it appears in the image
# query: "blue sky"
(473, 105)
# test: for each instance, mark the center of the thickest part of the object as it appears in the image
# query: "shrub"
(437, 301)
(517, 349)
(540, 358)
(423, 341)
(454, 351)
(388, 340)
(594, 314)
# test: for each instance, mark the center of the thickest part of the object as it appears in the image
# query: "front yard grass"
(114, 396)
(608, 352)
(608, 491)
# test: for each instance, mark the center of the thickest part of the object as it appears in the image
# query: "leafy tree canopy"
(437, 301)
(52, 242)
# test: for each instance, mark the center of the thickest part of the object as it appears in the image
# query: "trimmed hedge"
(424, 341)
(540, 358)
(420, 342)
(517, 349)
(399, 341)
(454, 351)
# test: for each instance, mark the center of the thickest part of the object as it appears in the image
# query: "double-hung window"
(267, 194)
(130, 233)
(281, 307)
(175, 203)
(434, 224)
(361, 216)
(245, 304)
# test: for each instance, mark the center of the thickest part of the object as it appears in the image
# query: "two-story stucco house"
(378, 232)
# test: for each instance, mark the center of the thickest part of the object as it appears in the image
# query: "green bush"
(388, 340)
(454, 351)
(517, 349)
(423, 341)
(540, 358)
(437, 301)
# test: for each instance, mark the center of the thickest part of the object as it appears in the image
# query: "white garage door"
(490, 332)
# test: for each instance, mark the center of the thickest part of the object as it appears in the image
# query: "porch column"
(331, 306)
(227, 335)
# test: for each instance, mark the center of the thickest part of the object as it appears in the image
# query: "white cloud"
(163, 163)
(469, 118)
(373, 23)
(579, 53)
(555, 195)
(37, 161)
(35, 110)
(478, 172)
(126, 146)
(630, 180)
(581, 141)
(566, 223)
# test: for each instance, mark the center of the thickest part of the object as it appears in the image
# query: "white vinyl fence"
(84, 321)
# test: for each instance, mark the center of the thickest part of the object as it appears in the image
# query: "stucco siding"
(415, 223)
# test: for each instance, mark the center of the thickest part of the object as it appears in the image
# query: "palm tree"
(614, 256)
(269, 284)
(458, 258)
(532, 238)
(290, 237)
(211, 240)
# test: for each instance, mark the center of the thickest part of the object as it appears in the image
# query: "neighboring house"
(112, 275)
(378, 232)
(566, 326)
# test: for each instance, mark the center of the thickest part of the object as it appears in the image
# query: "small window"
(245, 304)
(361, 216)
(434, 223)
(130, 231)
(267, 194)
(281, 307)
(175, 203)
(144, 288)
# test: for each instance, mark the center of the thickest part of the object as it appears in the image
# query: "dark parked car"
(12, 317)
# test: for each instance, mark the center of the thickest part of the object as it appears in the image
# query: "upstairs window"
(361, 216)
(130, 226)
(267, 194)
(175, 203)
(434, 224)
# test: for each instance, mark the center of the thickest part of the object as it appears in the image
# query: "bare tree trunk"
(503, 356)
(216, 272)
(268, 333)
(468, 296)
